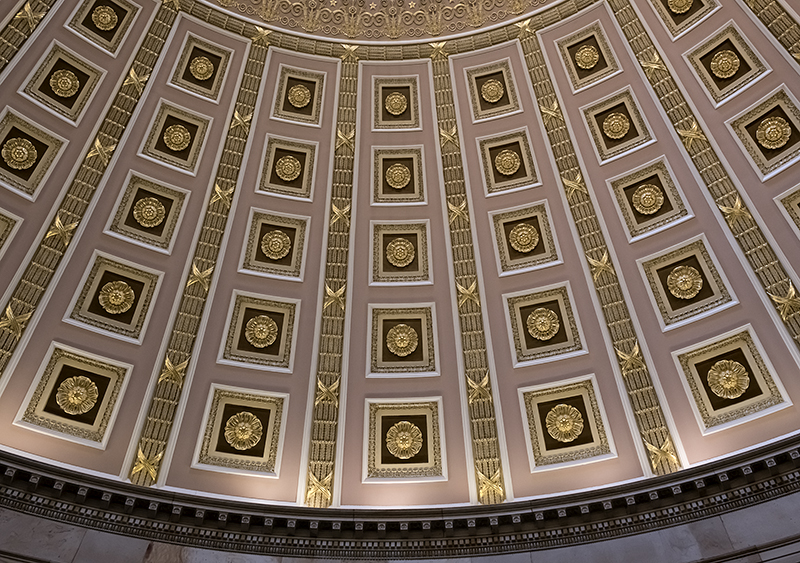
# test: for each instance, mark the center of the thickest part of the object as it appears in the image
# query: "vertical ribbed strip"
(18, 29)
(780, 23)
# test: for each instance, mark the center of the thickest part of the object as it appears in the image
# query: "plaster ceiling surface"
(255, 177)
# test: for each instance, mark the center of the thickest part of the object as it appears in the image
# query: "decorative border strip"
(780, 23)
(21, 27)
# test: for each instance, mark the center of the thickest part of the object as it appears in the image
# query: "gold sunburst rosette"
(647, 199)
(587, 57)
(507, 162)
(299, 96)
(684, 282)
(542, 324)
(19, 153)
(398, 176)
(773, 132)
(564, 423)
(400, 252)
(396, 103)
(149, 212)
(276, 244)
(243, 430)
(404, 440)
(77, 395)
(728, 379)
(402, 340)
(261, 331)
(116, 297)
(492, 90)
(177, 137)
(288, 168)
(104, 18)
(725, 64)
(201, 68)
(64, 83)
(616, 125)
(523, 237)
(680, 6)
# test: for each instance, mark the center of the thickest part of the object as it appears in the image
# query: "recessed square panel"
(728, 380)
(587, 56)
(400, 253)
(261, 332)
(201, 67)
(681, 15)
(507, 162)
(524, 238)
(288, 168)
(176, 137)
(404, 440)
(298, 96)
(275, 244)
(397, 176)
(616, 125)
(402, 341)
(104, 22)
(9, 223)
(242, 431)
(492, 90)
(396, 103)
(75, 396)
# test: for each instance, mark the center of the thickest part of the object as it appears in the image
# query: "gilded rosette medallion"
(684, 282)
(402, 340)
(400, 252)
(288, 168)
(243, 430)
(507, 162)
(564, 423)
(201, 68)
(587, 57)
(725, 64)
(616, 125)
(542, 324)
(276, 244)
(104, 18)
(261, 331)
(492, 91)
(19, 153)
(680, 6)
(395, 103)
(177, 137)
(116, 297)
(299, 96)
(728, 379)
(64, 83)
(523, 237)
(773, 133)
(77, 395)
(149, 212)
(398, 176)
(647, 199)
(404, 440)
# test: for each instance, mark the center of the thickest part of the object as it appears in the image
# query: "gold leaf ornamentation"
(261, 36)
(564, 423)
(523, 237)
(243, 430)
(316, 486)
(542, 324)
(725, 64)
(728, 379)
(332, 297)
(647, 199)
(116, 297)
(14, 324)
(149, 465)
(786, 305)
(680, 6)
(77, 395)
(458, 211)
(652, 64)
(299, 96)
(104, 18)
(466, 294)
(402, 340)
(28, 15)
(395, 103)
(222, 195)
(574, 186)
(19, 153)
(261, 331)
(149, 212)
(551, 113)
(201, 68)
(684, 282)
(173, 373)
(398, 176)
(200, 277)
(773, 133)
(492, 90)
(61, 231)
(343, 214)
(601, 266)
(276, 244)
(616, 125)
(438, 51)
(404, 440)
(449, 137)
(738, 211)
(587, 57)
(630, 361)
(288, 168)
(479, 391)
(240, 120)
(400, 252)
(665, 453)
(691, 135)
(327, 393)
(491, 484)
(136, 80)
(347, 140)
(64, 83)
(349, 52)
(507, 162)
(177, 137)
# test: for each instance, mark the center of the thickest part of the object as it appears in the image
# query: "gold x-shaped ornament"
(348, 140)
(343, 214)
(652, 64)
(222, 195)
(327, 394)
(524, 28)
(489, 485)
(575, 185)
(133, 79)
(172, 373)
(150, 466)
(61, 231)
(787, 304)
(332, 297)
(458, 211)
(479, 391)
(691, 135)
(438, 51)
(101, 150)
(466, 294)
(239, 121)
(349, 52)
(665, 453)
(449, 137)
(552, 113)
(14, 324)
(27, 14)
(261, 35)
(600, 266)
(315, 487)
(632, 361)
(203, 278)
(738, 211)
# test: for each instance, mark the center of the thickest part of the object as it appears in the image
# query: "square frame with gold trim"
(486, 146)
(267, 185)
(190, 42)
(9, 225)
(413, 122)
(197, 144)
(379, 359)
(603, 151)
(417, 195)
(419, 276)
(508, 265)
(81, 12)
(294, 267)
(689, 22)
(789, 204)
(594, 29)
(474, 74)
(287, 73)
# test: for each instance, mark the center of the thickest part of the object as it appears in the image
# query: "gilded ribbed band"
(20, 27)
(647, 410)
(780, 23)
(760, 255)
(39, 272)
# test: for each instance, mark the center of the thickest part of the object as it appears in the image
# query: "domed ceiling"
(397, 254)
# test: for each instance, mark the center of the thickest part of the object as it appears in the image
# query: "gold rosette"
(402, 340)
(243, 430)
(64, 83)
(261, 331)
(616, 125)
(104, 18)
(177, 137)
(684, 282)
(288, 168)
(404, 440)
(587, 57)
(728, 379)
(647, 199)
(395, 103)
(725, 64)
(523, 237)
(564, 423)
(149, 212)
(398, 176)
(492, 90)
(77, 395)
(773, 133)
(299, 96)
(116, 297)
(276, 244)
(201, 68)
(19, 153)
(400, 252)
(680, 6)
(542, 324)
(507, 162)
